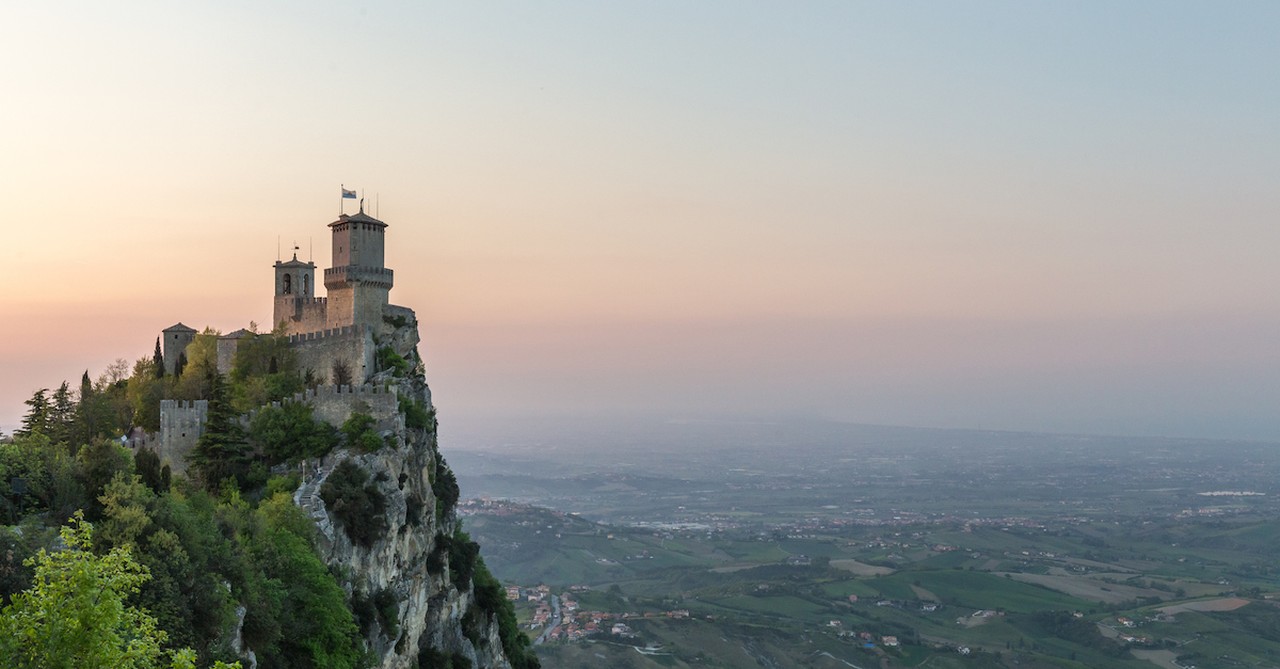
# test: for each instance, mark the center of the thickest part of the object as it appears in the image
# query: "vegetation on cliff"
(75, 613)
(204, 568)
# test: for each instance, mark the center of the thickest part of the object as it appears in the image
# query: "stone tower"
(176, 337)
(358, 283)
(295, 302)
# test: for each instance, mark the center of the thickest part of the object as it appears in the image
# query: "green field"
(751, 606)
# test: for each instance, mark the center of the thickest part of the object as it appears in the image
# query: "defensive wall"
(303, 314)
(335, 404)
(321, 351)
(181, 424)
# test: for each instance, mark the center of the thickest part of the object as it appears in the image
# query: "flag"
(348, 194)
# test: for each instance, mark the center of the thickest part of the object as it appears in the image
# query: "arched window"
(288, 284)
(306, 286)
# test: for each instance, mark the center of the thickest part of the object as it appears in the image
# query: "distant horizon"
(1044, 218)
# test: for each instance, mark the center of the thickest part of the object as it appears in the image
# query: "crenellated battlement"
(345, 331)
(183, 412)
(181, 424)
(335, 277)
(335, 404)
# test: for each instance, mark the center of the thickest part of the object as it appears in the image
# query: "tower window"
(305, 286)
(288, 284)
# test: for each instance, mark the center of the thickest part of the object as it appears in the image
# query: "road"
(555, 620)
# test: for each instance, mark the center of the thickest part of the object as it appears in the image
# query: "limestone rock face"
(430, 607)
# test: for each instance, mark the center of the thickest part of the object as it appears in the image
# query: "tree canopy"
(75, 616)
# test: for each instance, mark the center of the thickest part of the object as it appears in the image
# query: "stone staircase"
(307, 496)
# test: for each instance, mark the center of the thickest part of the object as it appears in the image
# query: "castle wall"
(342, 304)
(301, 314)
(335, 404)
(369, 305)
(181, 424)
(318, 351)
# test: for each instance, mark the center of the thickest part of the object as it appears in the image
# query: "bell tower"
(295, 289)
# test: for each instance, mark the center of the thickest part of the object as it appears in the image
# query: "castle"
(332, 337)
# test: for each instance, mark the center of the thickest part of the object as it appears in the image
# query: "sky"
(1001, 215)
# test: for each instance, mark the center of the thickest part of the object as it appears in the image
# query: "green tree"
(198, 361)
(357, 502)
(360, 433)
(157, 359)
(144, 392)
(74, 616)
(62, 414)
(37, 419)
(222, 451)
(96, 464)
(154, 475)
(291, 432)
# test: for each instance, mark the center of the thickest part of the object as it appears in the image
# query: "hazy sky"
(1021, 215)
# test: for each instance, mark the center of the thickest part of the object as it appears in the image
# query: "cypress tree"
(86, 387)
(158, 359)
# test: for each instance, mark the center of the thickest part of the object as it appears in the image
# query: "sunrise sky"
(1010, 215)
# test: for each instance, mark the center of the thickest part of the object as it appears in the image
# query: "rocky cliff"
(402, 558)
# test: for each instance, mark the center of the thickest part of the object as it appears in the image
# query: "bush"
(416, 416)
(291, 432)
(358, 504)
(413, 511)
(282, 484)
(463, 553)
(358, 429)
(388, 610)
(446, 489)
(387, 358)
(491, 598)
(430, 658)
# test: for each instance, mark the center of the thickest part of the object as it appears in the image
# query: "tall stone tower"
(176, 338)
(358, 284)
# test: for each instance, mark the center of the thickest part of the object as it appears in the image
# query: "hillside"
(300, 535)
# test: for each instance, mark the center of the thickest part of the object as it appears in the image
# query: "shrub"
(357, 502)
(281, 484)
(291, 432)
(492, 599)
(358, 429)
(463, 553)
(446, 489)
(430, 658)
(387, 358)
(416, 416)
(388, 610)
(413, 511)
